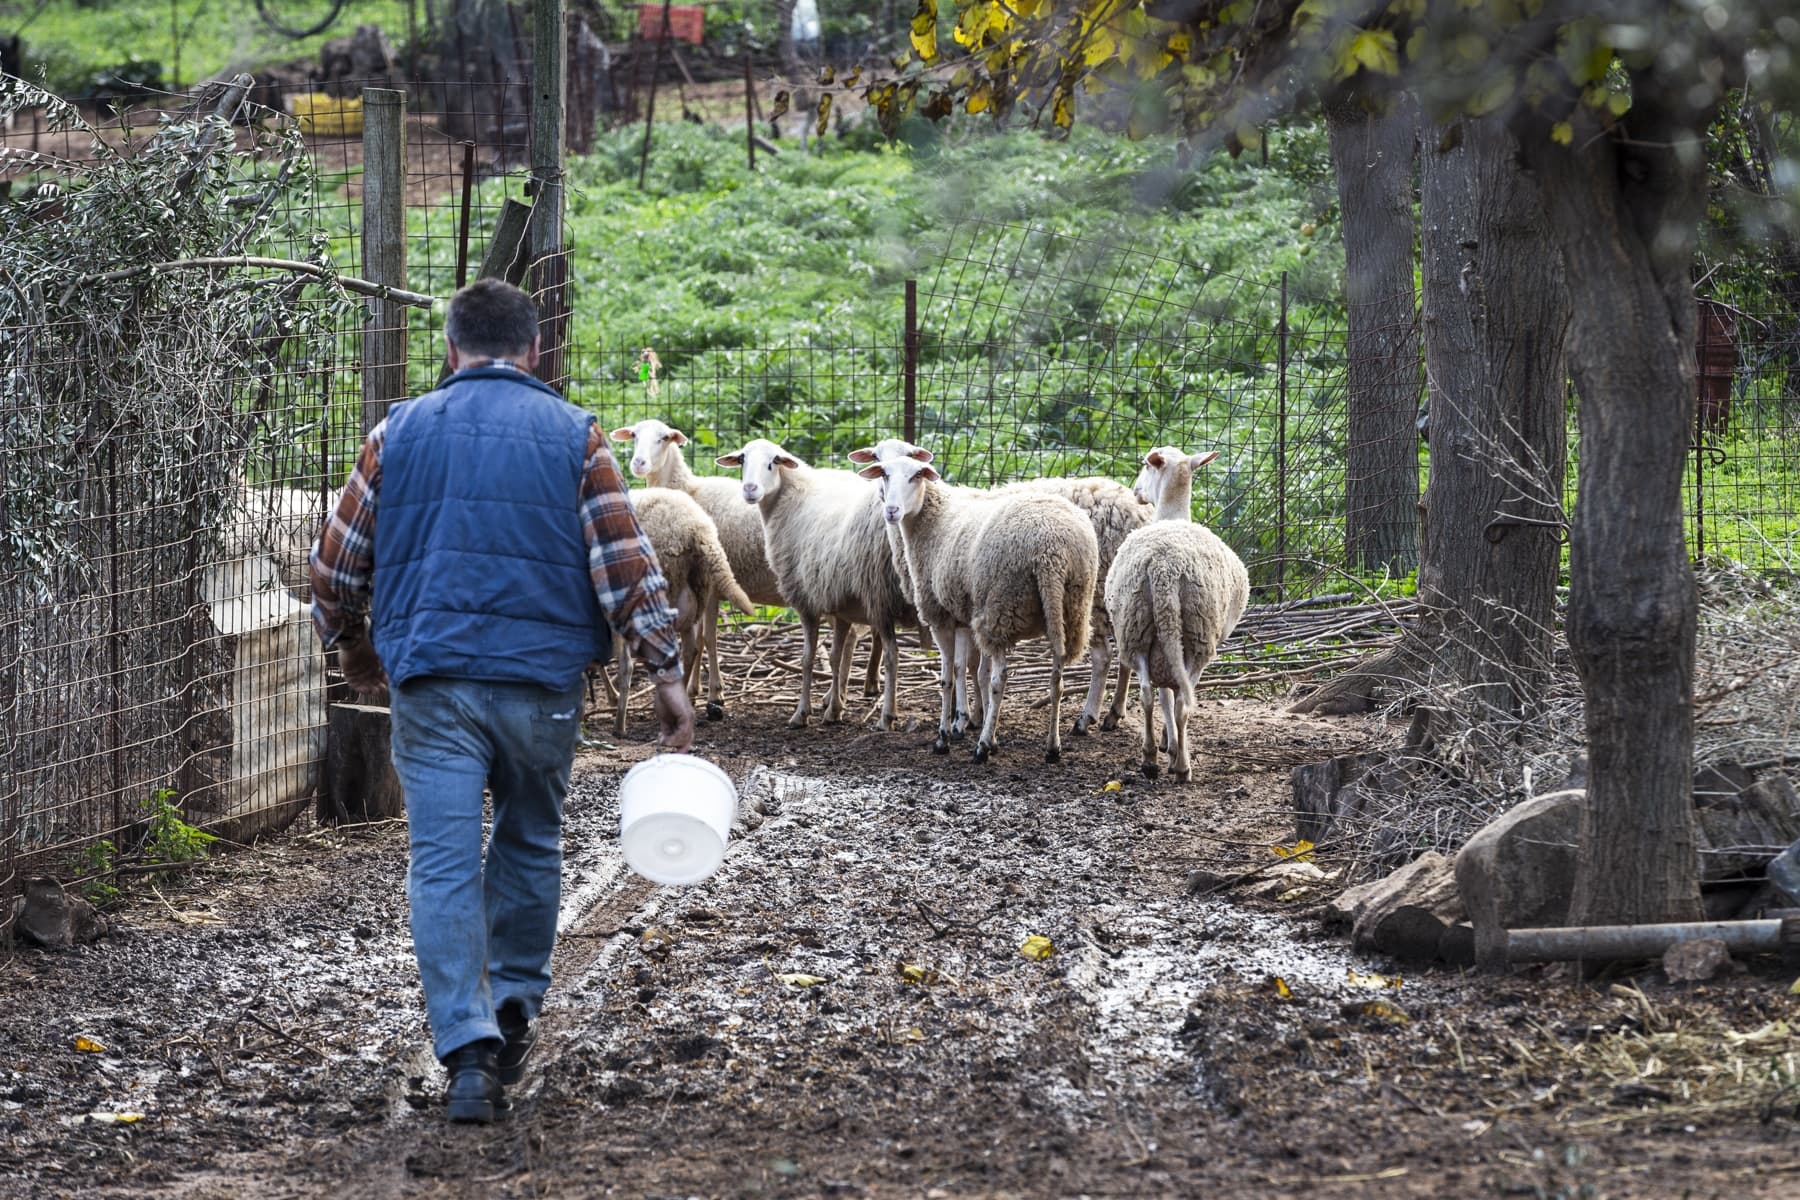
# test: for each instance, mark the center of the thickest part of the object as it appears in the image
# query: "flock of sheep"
(983, 570)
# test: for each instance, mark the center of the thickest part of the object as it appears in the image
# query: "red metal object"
(687, 22)
(1716, 364)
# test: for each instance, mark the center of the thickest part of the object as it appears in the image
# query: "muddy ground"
(844, 1011)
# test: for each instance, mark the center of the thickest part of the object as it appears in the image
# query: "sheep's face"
(762, 462)
(652, 442)
(1168, 471)
(889, 449)
(903, 482)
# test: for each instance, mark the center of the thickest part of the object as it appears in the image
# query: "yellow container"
(319, 113)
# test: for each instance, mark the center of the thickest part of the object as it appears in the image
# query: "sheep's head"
(762, 462)
(889, 449)
(1168, 474)
(903, 482)
(652, 442)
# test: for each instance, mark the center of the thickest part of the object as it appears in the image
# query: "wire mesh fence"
(154, 647)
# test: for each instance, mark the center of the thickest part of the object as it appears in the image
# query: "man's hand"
(675, 715)
(362, 668)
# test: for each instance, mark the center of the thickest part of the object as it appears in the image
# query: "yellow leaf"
(824, 113)
(1380, 1010)
(1248, 136)
(1618, 103)
(1362, 979)
(780, 107)
(119, 1118)
(1300, 851)
(1100, 46)
(1562, 133)
(1795, 990)
(915, 1034)
(980, 98)
(1774, 1031)
(1282, 990)
(923, 976)
(794, 979)
(1372, 50)
(1113, 785)
(1037, 947)
(974, 22)
(1293, 894)
(924, 30)
(1062, 108)
(1178, 45)
(90, 1045)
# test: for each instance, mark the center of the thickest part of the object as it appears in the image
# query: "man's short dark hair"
(492, 319)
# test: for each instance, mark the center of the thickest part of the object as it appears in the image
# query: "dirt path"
(265, 1019)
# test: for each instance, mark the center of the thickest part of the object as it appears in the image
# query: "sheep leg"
(995, 665)
(888, 642)
(950, 684)
(1167, 741)
(872, 678)
(957, 651)
(623, 655)
(690, 656)
(1149, 697)
(979, 698)
(843, 657)
(1179, 767)
(1100, 658)
(715, 707)
(1117, 709)
(1053, 750)
(809, 626)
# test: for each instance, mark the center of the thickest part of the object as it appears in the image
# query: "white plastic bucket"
(675, 814)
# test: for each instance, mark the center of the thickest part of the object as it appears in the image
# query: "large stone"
(1518, 871)
(51, 917)
(1743, 821)
(1408, 913)
(1695, 961)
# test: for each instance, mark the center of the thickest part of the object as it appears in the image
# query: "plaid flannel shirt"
(630, 586)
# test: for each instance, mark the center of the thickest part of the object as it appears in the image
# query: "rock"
(1518, 871)
(1695, 961)
(1742, 822)
(1408, 913)
(51, 917)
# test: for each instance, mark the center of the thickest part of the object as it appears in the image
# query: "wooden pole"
(384, 249)
(462, 220)
(550, 267)
(909, 417)
(749, 111)
(650, 105)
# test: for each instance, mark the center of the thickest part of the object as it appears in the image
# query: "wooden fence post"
(384, 249)
(550, 268)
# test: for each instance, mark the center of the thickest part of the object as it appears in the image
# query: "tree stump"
(359, 784)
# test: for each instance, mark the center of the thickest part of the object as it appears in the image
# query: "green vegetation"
(173, 43)
(169, 838)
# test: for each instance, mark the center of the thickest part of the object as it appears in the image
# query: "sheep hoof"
(940, 746)
(983, 752)
(715, 711)
(1081, 726)
(1109, 722)
(1053, 754)
(1151, 770)
(1180, 776)
(797, 721)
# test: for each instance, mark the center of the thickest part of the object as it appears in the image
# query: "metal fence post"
(909, 413)
(384, 249)
(550, 267)
(1281, 472)
(1700, 435)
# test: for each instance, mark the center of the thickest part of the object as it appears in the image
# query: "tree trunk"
(1372, 154)
(1625, 207)
(1496, 319)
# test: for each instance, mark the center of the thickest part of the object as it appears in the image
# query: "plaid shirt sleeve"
(627, 578)
(343, 559)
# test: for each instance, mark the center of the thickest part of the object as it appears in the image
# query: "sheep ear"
(1154, 459)
(920, 453)
(678, 437)
(786, 460)
(927, 473)
(862, 456)
(734, 459)
(1200, 460)
(627, 434)
(871, 472)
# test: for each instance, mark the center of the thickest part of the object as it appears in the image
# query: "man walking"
(505, 549)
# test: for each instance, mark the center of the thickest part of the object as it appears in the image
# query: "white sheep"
(657, 459)
(821, 531)
(1174, 592)
(279, 523)
(1005, 567)
(697, 569)
(968, 703)
(1115, 514)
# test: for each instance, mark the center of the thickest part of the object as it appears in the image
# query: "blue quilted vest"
(481, 567)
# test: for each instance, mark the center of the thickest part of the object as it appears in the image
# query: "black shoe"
(521, 1040)
(474, 1096)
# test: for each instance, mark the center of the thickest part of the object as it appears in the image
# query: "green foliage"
(169, 838)
(96, 863)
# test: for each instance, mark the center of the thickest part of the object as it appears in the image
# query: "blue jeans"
(483, 936)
